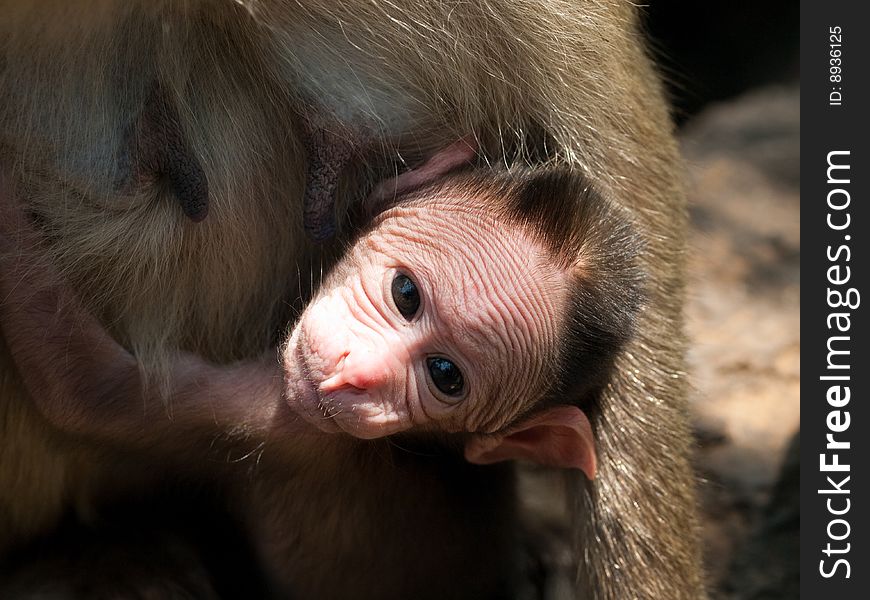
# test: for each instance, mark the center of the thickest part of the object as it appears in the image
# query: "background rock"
(743, 316)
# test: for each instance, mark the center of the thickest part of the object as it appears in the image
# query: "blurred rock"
(743, 312)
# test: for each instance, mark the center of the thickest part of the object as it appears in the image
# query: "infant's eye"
(405, 296)
(445, 375)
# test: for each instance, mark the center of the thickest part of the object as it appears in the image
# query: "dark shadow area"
(169, 544)
(711, 51)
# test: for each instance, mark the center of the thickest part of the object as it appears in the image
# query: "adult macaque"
(190, 253)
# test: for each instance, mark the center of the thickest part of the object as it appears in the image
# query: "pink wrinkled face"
(440, 317)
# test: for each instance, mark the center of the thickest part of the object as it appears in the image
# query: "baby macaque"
(488, 305)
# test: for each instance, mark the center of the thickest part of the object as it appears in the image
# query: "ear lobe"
(558, 437)
(457, 154)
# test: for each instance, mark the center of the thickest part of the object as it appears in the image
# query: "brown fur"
(566, 82)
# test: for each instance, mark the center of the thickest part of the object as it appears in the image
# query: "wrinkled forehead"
(496, 297)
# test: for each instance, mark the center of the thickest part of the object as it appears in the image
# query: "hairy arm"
(85, 383)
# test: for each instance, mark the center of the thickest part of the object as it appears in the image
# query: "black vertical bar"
(835, 225)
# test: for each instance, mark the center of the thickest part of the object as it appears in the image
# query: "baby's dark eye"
(405, 296)
(445, 375)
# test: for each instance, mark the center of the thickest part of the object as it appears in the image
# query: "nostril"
(366, 375)
(360, 370)
(340, 381)
(340, 364)
(330, 387)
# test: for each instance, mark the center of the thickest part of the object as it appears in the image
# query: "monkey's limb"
(85, 383)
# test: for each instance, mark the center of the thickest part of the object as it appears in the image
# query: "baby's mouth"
(302, 390)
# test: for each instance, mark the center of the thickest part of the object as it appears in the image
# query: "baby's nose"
(362, 369)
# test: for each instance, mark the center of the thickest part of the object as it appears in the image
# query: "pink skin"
(490, 303)
(355, 364)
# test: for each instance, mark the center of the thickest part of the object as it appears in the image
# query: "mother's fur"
(548, 81)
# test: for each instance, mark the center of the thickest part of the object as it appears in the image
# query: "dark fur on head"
(591, 238)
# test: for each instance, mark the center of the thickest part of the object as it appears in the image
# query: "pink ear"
(452, 157)
(558, 437)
